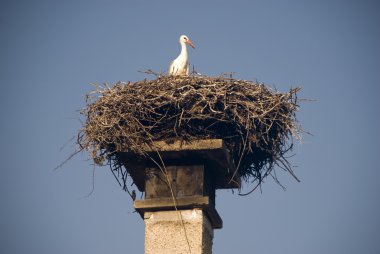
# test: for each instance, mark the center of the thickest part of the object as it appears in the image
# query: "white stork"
(180, 66)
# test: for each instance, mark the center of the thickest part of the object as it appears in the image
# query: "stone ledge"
(167, 204)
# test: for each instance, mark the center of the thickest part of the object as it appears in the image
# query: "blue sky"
(50, 52)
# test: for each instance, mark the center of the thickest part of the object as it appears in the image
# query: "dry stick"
(93, 184)
(123, 177)
(116, 177)
(287, 168)
(241, 155)
(68, 158)
(276, 179)
(66, 143)
(254, 188)
(259, 183)
(126, 189)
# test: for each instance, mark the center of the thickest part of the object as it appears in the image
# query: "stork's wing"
(171, 68)
(187, 69)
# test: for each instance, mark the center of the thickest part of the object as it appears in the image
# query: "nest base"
(212, 153)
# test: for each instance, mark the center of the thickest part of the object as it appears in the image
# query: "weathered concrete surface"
(166, 234)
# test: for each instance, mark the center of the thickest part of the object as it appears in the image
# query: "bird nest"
(256, 123)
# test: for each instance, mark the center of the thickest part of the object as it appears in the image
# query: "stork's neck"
(183, 51)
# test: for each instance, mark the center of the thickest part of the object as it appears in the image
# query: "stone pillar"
(178, 232)
(179, 204)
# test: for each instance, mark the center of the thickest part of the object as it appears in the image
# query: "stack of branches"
(257, 123)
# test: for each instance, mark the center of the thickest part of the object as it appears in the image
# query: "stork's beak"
(190, 43)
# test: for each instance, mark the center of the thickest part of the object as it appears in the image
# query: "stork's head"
(185, 39)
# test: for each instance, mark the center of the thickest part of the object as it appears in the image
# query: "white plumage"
(180, 65)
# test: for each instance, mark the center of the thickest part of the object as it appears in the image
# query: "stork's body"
(180, 66)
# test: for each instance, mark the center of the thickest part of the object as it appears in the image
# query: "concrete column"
(165, 233)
